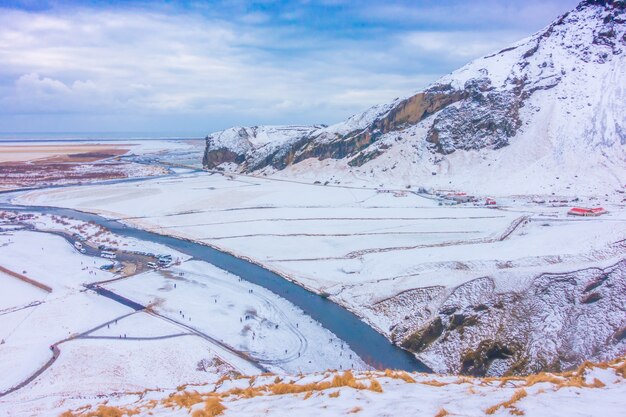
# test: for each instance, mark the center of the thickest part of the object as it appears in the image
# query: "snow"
(28, 333)
(261, 324)
(16, 294)
(363, 247)
(242, 139)
(419, 395)
(548, 286)
(358, 235)
(571, 139)
(50, 260)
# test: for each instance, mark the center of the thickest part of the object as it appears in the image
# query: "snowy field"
(242, 315)
(60, 340)
(341, 240)
(404, 263)
(589, 391)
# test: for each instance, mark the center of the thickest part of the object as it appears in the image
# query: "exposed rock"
(479, 107)
(485, 118)
(553, 325)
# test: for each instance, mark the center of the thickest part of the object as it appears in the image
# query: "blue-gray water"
(366, 342)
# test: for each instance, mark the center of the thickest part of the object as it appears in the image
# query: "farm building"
(580, 211)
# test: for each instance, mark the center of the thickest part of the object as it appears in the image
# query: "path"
(24, 278)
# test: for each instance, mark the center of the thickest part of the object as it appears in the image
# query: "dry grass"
(434, 383)
(399, 375)
(621, 369)
(222, 379)
(183, 399)
(249, 392)
(346, 380)
(212, 407)
(104, 411)
(518, 395)
(541, 378)
(375, 386)
(289, 388)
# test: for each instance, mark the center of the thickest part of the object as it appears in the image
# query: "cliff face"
(480, 331)
(484, 106)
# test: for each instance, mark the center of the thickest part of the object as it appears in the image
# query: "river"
(371, 346)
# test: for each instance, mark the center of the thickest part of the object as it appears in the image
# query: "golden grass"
(434, 383)
(290, 388)
(399, 375)
(212, 407)
(543, 377)
(517, 395)
(249, 392)
(346, 380)
(442, 413)
(104, 411)
(221, 380)
(597, 383)
(375, 386)
(183, 399)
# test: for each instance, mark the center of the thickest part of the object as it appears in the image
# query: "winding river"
(371, 346)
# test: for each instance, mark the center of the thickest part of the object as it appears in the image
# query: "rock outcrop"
(562, 89)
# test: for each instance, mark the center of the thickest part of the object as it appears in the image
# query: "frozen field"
(337, 239)
(242, 315)
(590, 391)
(434, 278)
(61, 340)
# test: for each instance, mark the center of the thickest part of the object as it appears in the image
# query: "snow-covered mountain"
(530, 117)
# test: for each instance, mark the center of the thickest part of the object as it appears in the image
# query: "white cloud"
(458, 45)
(144, 69)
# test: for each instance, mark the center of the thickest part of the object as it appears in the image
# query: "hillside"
(529, 119)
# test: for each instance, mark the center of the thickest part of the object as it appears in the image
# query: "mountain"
(529, 118)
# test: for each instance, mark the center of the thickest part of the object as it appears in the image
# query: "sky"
(187, 68)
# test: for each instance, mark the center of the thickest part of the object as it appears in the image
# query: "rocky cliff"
(562, 90)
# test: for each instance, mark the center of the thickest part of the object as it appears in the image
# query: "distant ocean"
(100, 136)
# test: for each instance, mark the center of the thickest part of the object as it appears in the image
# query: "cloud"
(196, 68)
(484, 15)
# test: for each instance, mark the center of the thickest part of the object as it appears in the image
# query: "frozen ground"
(242, 315)
(67, 342)
(89, 233)
(395, 258)
(589, 391)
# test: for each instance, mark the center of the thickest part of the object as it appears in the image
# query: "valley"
(460, 250)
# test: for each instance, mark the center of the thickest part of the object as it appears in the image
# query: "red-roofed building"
(579, 211)
(598, 211)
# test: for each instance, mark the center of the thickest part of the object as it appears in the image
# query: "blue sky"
(188, 68)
